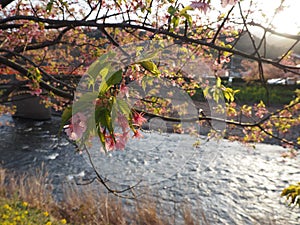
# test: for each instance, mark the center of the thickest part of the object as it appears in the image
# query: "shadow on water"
(30, 146)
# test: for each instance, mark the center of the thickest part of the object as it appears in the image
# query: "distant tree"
(250, 70)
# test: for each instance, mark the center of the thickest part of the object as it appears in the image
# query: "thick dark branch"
(14, 86)
(63, 23)
(24, 72)
(10, 26)
(227, 121)
(43, 44)
(203, 117)
(4, 3)
(113, 41)
(53, 79)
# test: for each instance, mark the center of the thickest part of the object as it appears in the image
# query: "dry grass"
(90, 207)
(82, 205)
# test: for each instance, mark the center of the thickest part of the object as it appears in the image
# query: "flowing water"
(231, 183)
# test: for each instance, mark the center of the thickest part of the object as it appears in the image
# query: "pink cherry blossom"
(122, 140)
(122, 121)
(109, 143)
(138, 119)
(228, 2)
(97, 102)
(201, 5)
(36, 92)
(124, 91)
(77, 127)
(261, 110)
(137, 134)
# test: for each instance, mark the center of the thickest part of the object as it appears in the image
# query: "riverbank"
(28, 199)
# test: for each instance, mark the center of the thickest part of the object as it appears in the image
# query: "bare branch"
(118, 193)
(288, 51)
(289, 36)
(222, 25)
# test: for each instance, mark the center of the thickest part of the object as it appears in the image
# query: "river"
(232, 183)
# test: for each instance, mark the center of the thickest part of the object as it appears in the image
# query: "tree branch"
(92, 23)
(289, 36)
(5, 3)
(42, 71)
(23, 71)
(222, 25)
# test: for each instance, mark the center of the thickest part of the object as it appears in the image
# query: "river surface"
(230, 182)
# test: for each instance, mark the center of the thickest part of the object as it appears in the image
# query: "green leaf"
(102, 116)
(229, 94)
(104, 71)
(175, 21)
(99, 112)
(85, 102)
(109, 80)
(124, 108)
(189, 19)
(205, 91)
(216, 95)
(147, 81)
(297, 92)
(103, 61)
(172, 10)
(144, 84)
(98, 68)
(49, 6)
(218, 82)
(109, 55)
(150, 66)
(101, 137)
(293, 193)
(149, 56)
(66, 116)
(261, 104)
(183, 11)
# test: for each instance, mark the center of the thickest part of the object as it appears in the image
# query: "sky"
(286, 21)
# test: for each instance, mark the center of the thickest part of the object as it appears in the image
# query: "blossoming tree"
(48, 46)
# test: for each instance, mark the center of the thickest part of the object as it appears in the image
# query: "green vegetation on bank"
(278, 94)
(16, 212)
(250, 93)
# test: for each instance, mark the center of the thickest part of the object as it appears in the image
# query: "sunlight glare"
(286, 21)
